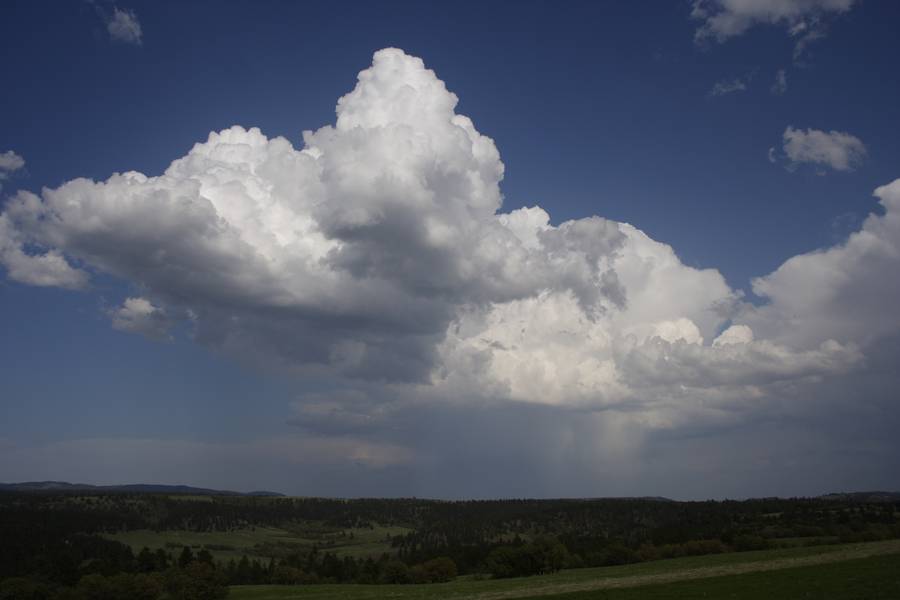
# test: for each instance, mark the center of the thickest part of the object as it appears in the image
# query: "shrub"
(436, 570)
(18, 588)
(394, 571)
(743, 543)
(544, 555)
(288, 576)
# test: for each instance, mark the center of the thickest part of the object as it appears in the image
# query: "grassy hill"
(857, 571)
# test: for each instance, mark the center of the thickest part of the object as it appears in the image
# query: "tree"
(146, 561)
(198, 581)
(186, 557)
(162, 559)
(138, 586)
(243, 574)
(549, 555)
(436, 570)
(16, 588)
(544, 555)
(394, 571)
(284, 575)
(502, 562)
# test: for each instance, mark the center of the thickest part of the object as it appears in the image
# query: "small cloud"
(725, 19)
(728, 86)
(139, 315)
(10, 162)
(836, 149)
(780, 85)
(810, 32)
(123, 26)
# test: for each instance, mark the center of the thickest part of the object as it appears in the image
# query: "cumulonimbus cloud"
(379, 252)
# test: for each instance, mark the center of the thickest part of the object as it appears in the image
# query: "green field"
(873, 578)
(264, 542)
(850, 571)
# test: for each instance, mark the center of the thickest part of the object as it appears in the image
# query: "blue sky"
(596, 109)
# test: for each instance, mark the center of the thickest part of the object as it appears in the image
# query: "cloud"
(725, 19)
(836, 149)
(269, 463)
(377, 256)
(804, 20)
(139, 315)
(780, 85)
(123, 26)
(365, 244)
(10, 162)
(728, 86)
(843, 292)
(806, 33)
(49, 268)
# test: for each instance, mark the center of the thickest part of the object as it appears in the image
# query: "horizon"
(452, 251)
(115, 488)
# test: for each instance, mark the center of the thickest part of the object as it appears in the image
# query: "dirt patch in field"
(849, 553)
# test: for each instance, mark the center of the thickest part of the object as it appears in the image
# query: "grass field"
(872, 578)
(851, 571)
(263, 542)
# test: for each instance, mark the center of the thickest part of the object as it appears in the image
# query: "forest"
(100, 545)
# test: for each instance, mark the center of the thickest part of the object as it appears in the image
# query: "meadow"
(264, 542)
(844, 571)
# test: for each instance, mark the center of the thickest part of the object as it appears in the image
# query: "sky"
(452, 250)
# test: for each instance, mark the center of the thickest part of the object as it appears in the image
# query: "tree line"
(53, 543)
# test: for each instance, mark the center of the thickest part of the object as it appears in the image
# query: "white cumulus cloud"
(378, 253)
(848, 292)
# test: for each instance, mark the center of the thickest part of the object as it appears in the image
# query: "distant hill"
(187, 490)
(139, 488)
(863, 496)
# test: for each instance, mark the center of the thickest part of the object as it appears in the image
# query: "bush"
(648, 552)
(137, 587)
(436, 570)
(617, 554)
(288, 576)
(743, 543)
(20, 588)
(700, 547)
(197, 581)
(394, 571)
(544, 555)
